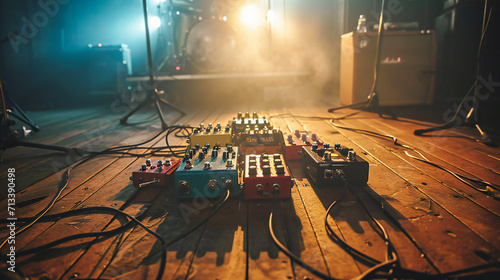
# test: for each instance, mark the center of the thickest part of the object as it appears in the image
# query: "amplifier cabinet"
(406, 72)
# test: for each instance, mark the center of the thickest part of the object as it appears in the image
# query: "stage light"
(251, 16)
(224, 18)
(270, 16)
(154, 22)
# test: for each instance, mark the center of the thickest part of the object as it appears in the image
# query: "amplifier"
(266, 175)
(321, 164)
(208, 172)
(406, 72)
(154, 173)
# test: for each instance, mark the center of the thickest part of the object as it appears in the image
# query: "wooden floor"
(436, 223)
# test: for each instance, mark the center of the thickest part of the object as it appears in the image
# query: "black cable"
(107, 233)
(474, 86)
(459, 176)
(196, 226)
(287, 252)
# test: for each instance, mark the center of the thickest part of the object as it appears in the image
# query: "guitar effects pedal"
(260, 141)
(251, 122)
(214, 136)
(295, 141)
(321, 164)
(154, 173)
(208, 172)
(266, 175)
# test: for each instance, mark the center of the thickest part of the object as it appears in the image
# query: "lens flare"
(154, 22)
(251, 16)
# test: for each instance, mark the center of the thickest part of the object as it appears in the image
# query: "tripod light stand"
(152, 95)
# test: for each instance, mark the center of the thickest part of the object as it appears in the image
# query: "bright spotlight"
(271, 17)
(251, 16)
(154, 22)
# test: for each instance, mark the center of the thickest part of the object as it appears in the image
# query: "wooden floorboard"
(436, 223)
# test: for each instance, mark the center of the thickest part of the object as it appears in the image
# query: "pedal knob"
(276, 187)
(351, 156)
(265, 162)
(252, 170)
(207, 146)
(197, 146)
(210, 125)
(207, 166)
(297, 133)
(201, 126)
(201, 156)
(247, 115)
(207, 130)
(229, 148)
(336, 146)
(240, 115)
(167, 162)
(159, 163)
(314, 137)
(252, 157)
(148, 162)
(314, 147)
(264, 156)
(326, 145)
(227, 129)
(255, 116)
(252, 162)
(327, 156)
(276, 156)
(144, 167)
(183, 187)
(278, 162)
(228, 184)
(259, 188)
(188, 165)
(214, 153)
(224, 155)
(289, 138)
(266, 170)
(229, 163)
(195, 131)
(212, 184)
(304, 137)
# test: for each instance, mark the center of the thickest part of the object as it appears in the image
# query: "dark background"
(51, 69)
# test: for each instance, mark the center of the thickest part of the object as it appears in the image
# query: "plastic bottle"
(361, 24)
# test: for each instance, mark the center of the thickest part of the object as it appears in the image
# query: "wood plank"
(74, 199)
(438, 238)
(477, 212)
(170, 205)
(352, 223)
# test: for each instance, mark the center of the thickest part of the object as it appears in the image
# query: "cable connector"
(339, 174)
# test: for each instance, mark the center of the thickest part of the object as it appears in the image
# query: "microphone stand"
(153, 95)
(372, 102)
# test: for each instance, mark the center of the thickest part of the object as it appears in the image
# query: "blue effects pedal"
(208, 172)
